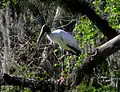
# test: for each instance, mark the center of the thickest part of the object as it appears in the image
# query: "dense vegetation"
(20, 24)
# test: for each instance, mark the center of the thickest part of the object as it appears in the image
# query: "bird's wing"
(70, 42)
(64, 39)
(69, 39)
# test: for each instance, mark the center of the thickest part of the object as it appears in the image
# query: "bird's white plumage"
(63, 39)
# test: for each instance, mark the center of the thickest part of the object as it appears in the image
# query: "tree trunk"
(6, 39)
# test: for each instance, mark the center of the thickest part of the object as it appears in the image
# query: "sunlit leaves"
(86, 35)
(2, 3)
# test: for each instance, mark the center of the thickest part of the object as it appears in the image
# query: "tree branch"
(97, 57)
(81, 6)
(42, 85)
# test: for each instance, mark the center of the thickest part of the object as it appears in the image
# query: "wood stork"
(62, 38)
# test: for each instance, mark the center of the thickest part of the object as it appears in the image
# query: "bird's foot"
(61, 58)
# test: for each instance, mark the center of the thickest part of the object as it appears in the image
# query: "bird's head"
(44, 30)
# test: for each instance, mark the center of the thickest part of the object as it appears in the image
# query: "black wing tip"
(76, 52)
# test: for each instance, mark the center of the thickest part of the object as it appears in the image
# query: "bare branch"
(97, 57)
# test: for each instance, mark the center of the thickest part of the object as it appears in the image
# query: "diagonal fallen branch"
(42, 85)
(97, 57)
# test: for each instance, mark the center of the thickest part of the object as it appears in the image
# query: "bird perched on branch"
(62, 38)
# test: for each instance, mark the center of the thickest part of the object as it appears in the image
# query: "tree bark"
(6, 37)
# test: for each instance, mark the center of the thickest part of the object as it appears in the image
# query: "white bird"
(62, 38)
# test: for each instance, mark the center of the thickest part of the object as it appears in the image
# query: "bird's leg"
(62, 58)
(71, 62)
(68, 63)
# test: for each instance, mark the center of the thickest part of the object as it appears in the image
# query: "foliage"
(29, 59)
(3, 4)
(86, 33)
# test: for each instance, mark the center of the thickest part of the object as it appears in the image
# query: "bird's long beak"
(40, 36)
